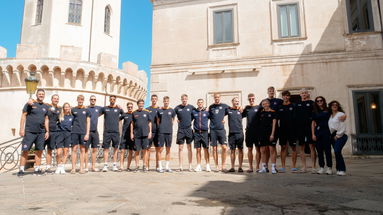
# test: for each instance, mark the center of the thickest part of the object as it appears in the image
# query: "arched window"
(39, 12)
(108, 13)
(75, 10)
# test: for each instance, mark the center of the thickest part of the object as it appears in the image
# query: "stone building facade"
(236, 47)
(73, 45)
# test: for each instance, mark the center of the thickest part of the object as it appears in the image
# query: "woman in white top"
(338, 137)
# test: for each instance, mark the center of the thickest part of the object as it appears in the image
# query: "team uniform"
(64, 139)
(184, 115)
(323, 135)
(34, 126)
(265, 127)
(141, 121)
(111, 126)
(53, 116)
(200, 125)
(252, 117)
(126, 140)
(165, 127)
(80, 115)
(94, 138)
(303, 119)
(286, 115)
(236, 137)
(153, 116)
(275, 104)
(217, 113)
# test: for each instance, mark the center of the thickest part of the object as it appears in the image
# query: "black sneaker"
(240, 170)
(231, 170)
(38, 172)
(267, 170)
(20, 173)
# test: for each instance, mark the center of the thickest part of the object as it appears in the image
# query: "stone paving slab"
(361, 192)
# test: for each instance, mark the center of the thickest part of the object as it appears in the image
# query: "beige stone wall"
(326, 58)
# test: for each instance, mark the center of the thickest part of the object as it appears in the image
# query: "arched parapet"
(90, 83)
(100, 82)
(79, 80)
(58, 79)
(46, 76)
(68, 78)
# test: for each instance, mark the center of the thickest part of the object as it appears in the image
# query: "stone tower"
(75, 30)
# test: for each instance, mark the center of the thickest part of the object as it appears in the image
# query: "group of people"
(306, 123)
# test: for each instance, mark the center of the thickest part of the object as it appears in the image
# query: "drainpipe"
(91, 31)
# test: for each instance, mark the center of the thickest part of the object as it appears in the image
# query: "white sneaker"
(320, 171)
(62, 171)
(198, 168)
(208, 168)
(274, 171)
(263, 170)
(341, 173)
(329, 171)
(114, 168)
(314, 171)
(105, 169)
(58, 170)
(160, 170)
(169, 170)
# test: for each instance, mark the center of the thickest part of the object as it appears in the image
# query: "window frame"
(370, 16)
(39, 12)
(73, 22)
(223, 32)
(296, 4)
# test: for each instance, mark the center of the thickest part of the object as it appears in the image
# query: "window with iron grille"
(108, 14)
(75, 10)
(39, 12)
(360, 17)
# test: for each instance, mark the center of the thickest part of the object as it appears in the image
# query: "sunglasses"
(320, 100)
(251, 99)
(93, 99)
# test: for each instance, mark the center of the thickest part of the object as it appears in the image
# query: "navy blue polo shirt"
(201, 120)
(66, 124)
(153, 116)
(304, 111)
(35, 120)
(80, 114)
(275, 103)
(111, 118)
(235, 120)
(141, 121)
(53, 115)
(127, 117)
(251, 114)
(217, 113)
(266, 121)
(286, 115)
(166, 117)
(184, 115)
(95, 112)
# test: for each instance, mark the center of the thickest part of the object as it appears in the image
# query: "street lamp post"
(31, 83)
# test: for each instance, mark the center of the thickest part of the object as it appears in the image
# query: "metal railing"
(9, 154)
(367, 144)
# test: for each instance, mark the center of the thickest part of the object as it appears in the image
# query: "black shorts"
(264, 140)
(164, 140)
(201, 139)
(236, 140)
(50, 143)
(304, 135)
(110, 137)
(153, 140)
(94, 139)
(33, 138)
(78, 139)
(218, 136)
(141, 143)
(184, 134)
(251, 138)
(287, 136)
(126, 142)
(64, 140)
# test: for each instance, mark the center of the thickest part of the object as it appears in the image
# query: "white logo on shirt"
(115, 110)
(70, 120)
(188, 109)
(238, 113)
(44, 109)
(53, 108)
(169, 113)
(216, 111)
(144, 115)
(96, 110)
(84, 112)
(269, 115)
(308, 105)
(290, 108)
(204, 114)
(220, 108)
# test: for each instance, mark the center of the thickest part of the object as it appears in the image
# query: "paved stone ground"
(361, 192)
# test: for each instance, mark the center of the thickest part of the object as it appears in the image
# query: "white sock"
(48, 166)
(198, 166)
(207, 165)
(22, 168)
(37, 168)
(273, 165)
(264, 165)
(167, 164)
(190, 166)
(160, 164)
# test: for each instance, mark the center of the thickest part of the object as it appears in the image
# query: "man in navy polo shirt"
(201, 135)
(185, 132)
(141, 132)
(153, 109)
(112, 115)
(36, 130)
(53, 116)
(94, 138)
(251, 112)
(217, 112)
(165, 120)
(236, 137)
(126, 142)
(80, 133)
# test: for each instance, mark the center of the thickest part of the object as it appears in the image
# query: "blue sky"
(136, 30)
